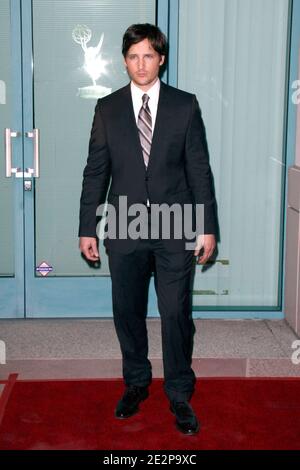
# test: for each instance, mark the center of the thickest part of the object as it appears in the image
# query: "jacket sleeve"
(198, 169)
(96, 177)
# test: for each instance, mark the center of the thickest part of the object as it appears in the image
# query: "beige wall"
(297, 159)
(292, 264)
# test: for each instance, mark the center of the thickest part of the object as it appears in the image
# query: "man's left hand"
(208, 242)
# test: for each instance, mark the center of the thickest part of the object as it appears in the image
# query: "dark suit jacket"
(178, 169)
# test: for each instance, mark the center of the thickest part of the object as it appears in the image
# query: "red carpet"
(235, 414)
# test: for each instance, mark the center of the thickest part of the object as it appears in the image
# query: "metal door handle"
(8, 134)
(35, 135)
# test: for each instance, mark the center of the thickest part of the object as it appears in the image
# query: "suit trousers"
(173, 280)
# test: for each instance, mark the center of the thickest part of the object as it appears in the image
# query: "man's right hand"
(88, 246)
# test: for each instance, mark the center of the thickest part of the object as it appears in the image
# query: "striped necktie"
(144, 125)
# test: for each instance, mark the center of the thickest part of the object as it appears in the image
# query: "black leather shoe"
(186, 420)
(129, 403)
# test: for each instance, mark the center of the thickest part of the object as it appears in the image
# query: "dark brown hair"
(138, 32)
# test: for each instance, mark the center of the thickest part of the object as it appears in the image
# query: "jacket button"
(146, 178)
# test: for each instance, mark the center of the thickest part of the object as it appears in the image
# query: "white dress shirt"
(137, 100)
(153, 93)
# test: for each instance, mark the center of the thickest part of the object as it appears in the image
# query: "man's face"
(143, 64)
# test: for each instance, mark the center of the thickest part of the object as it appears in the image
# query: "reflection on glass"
(94, 64)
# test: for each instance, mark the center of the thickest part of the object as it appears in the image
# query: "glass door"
(240, 77)
(11, 176)
(71, 57)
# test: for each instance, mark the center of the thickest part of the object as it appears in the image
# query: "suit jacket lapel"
(131, 133)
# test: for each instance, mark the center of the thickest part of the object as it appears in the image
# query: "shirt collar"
(153, 92)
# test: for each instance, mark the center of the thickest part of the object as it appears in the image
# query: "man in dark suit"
(149, 140)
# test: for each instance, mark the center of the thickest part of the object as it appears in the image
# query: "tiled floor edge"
(112, 368)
